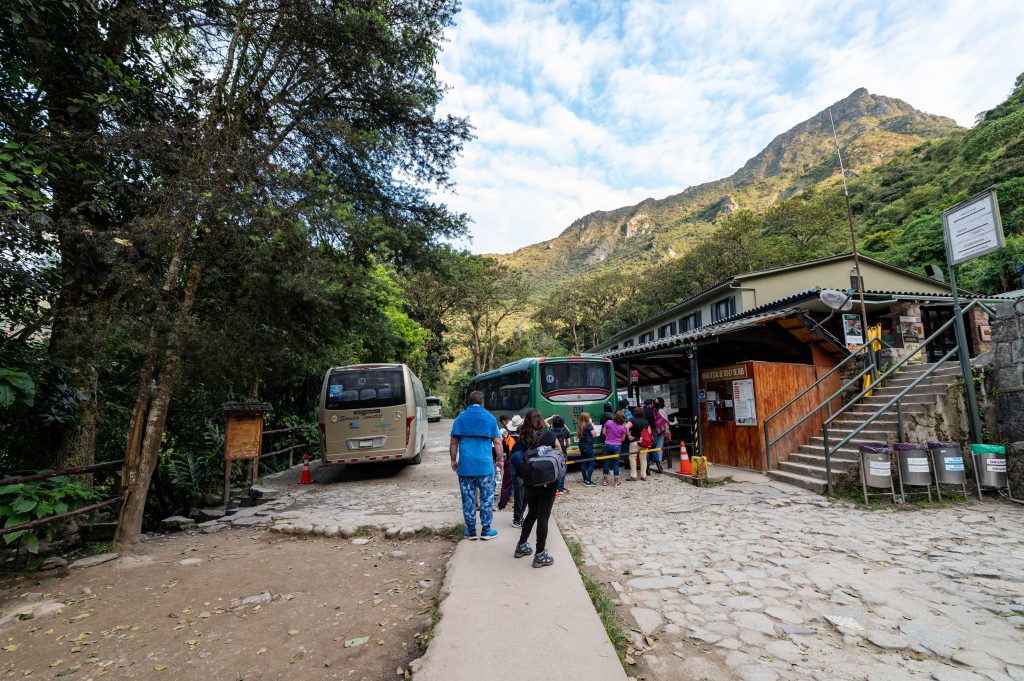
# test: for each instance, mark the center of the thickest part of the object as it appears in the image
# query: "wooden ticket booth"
(734, 400)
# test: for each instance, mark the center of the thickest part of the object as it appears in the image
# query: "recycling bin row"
(938, 463)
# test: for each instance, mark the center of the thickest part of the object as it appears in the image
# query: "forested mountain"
(871, 129)
(785, 205)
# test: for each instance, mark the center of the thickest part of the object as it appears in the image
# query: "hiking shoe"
(543, 559)
(523, 549)
(488, 534)
(469, 534)
(517, 523)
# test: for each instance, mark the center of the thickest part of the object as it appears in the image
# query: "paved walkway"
(504, 619)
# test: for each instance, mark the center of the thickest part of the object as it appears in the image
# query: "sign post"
(972, 228)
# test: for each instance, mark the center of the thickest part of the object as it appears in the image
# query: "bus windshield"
(562, 377)
(365, 388)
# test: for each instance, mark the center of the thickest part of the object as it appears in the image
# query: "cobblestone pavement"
(762, 581)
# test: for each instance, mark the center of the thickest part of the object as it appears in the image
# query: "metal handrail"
(920, 348)
(767, 442)
(827, 401)
(897, 400)
(894, 367)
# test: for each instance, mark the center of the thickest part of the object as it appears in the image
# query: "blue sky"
(583, 106)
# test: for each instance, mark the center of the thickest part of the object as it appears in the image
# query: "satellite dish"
(837, 300)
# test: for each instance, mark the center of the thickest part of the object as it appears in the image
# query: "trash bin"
(876, 467)
(990, 465)
(912, 458)
(948, 464)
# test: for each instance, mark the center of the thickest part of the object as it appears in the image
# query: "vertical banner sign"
(853, 331)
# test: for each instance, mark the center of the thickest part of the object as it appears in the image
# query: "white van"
(371, 413)
(434, 410)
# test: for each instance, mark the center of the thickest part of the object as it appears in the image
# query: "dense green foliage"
(209, 202)
(23, 502)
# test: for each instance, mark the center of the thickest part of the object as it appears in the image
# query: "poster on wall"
(911, 331)
(712, 414)
(853, 331)
(743, 399)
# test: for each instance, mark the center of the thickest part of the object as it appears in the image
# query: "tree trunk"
(140, 461)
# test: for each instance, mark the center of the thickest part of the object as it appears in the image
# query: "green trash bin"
(990, 465)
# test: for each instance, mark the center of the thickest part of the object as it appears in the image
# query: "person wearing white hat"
(510, 428)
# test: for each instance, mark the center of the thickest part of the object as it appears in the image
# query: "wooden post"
(227, 482)
(291, 449)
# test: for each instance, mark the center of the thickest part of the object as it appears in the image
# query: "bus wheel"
(416, 460)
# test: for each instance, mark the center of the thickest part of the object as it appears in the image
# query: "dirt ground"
(162, 619)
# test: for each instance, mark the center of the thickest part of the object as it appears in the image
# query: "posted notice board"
(743, 402)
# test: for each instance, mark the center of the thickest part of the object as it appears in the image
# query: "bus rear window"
(365, 389)
(433, 402)
(575, 376)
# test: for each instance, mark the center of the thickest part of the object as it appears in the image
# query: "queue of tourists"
(523, 459)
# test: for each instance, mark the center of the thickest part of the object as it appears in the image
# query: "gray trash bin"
(876, 468)
(948, 464)
(912, 465)
(990, 465)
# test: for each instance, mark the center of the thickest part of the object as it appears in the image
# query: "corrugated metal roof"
(717, 329)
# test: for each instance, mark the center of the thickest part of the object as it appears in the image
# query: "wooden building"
(735, 353)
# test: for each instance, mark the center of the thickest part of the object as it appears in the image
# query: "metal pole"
(965, 363)
(629, 382)
(828, 458)
(695, 391)
(853, 234)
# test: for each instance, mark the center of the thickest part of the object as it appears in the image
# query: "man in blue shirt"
(475, 449)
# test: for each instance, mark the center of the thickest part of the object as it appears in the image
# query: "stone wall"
(1007, 365)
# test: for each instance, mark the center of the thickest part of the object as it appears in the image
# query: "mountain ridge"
(871, 129)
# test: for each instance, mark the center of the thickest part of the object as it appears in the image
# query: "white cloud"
(581, 107)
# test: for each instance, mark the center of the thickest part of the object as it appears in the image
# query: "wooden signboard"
(243, 436)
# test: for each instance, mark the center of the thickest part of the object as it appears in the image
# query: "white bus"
(371, 413)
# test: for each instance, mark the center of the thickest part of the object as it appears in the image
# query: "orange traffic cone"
(684, 460)
(307, 477)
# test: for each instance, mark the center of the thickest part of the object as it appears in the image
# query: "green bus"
(553, 385)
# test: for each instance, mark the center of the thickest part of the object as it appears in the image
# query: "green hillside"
(871, 129)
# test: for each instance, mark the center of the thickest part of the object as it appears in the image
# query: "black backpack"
(542, 466)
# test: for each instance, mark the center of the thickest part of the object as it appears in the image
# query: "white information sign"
(917, 464)
(973, 228)
(743, 402)
(881, 468)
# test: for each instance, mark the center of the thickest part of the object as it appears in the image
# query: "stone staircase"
(806, 467)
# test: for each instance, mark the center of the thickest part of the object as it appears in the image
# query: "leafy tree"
(493, 293)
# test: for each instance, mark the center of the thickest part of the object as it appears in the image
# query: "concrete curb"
(501, 617)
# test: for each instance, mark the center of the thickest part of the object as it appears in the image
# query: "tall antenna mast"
(853, 235)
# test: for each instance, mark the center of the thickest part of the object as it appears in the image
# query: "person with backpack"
(556, 424)
(530, 430)
(540, 468)
(585, 436)
(639, 438)
(615, 431)
(475, 449)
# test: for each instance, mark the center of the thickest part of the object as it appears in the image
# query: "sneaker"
(588, 483)
(488, 534)
(558, 494)
(565, 491)
(469, 534)
(517, 523)
(523, 549)
(618, 483)
(604, 482)
(543, 559)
